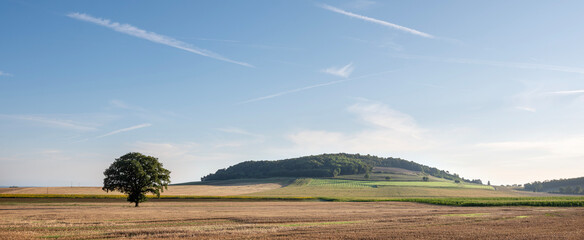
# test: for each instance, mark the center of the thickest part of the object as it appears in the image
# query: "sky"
(491, 90)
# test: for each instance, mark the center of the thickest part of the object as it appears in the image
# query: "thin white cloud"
(119, 104)
(376, 21)
(569, 92)
(344, 71)
(564, 147)
(311, 87)
(53, 122)
(235, 130)
(5, 74)
(293, 91)
(151, 36)
(382, 116)
(520, 65)
(126, 129)
(124, 105)
(528, 109)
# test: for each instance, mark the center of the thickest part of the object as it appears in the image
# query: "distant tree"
(425, 178)
(476, 181)
(336, 172)
(537, 187)
(457, 181)
(388, 178)
(489, 183)
(135, 174)
(367, 175)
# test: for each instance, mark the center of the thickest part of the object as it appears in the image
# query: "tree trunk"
(136, 204)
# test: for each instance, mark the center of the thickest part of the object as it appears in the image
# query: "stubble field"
(183, 219)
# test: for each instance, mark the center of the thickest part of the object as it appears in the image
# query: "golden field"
(190, 190)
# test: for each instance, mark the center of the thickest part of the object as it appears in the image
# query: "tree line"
(566, 186)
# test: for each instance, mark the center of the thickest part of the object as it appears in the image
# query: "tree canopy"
(566, 186)
(135, 174)
(324, 165)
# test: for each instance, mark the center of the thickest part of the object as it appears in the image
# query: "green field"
(342, 188)
(395, 174)
(341, 183)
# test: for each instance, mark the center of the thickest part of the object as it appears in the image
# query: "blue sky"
(491, 90)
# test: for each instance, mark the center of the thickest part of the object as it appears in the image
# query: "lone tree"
(135, 174)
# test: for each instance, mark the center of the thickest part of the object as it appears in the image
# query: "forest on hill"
(324, 165)
(564, 186)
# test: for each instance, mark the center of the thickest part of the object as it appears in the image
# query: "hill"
(564, 186)
(326, 165)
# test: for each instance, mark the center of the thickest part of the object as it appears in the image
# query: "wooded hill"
(565, 186)
(324, 165)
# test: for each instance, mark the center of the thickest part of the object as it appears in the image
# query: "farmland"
(287, 208)
(176, 219)
(224, 189)
(343, 188)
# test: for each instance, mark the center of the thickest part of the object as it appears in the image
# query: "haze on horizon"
(489, 90)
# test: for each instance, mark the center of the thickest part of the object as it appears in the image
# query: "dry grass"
(383, 192)
(100, 219)
(192, 190)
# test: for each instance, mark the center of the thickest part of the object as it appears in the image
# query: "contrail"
(310, 87)
(377, 21)
(151, 36)
(126, 129)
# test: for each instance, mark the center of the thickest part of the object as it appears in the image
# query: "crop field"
(339, 183)
(341, 188)
(396, 174)
(290, 189)
(185, 219)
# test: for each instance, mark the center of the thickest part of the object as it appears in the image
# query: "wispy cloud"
(390, 132)
(53, 122)
(376, 21)
(528, 109)
(388, 43)
(311, 87)
(382, 116)
(151, 36)
(521, 65)
(569, 92)
(235, 130)
(126, 129)
(293, 91)
(124, 105)
(5, 74)
(341, 72)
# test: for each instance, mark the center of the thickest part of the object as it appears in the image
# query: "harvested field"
(191, 190)
(178, 219)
